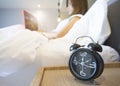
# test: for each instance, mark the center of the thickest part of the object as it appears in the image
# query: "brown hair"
(79, 6)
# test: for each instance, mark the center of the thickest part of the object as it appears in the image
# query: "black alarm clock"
(86, 63)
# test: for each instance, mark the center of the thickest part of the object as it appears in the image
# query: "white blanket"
(21, 47)
(18, 48)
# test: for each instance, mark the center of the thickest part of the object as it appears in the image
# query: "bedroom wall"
(10, 16)
(47, 17)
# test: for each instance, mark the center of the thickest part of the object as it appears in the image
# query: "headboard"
(114, 20)
(30, 21)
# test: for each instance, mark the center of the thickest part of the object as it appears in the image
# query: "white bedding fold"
(18, 49)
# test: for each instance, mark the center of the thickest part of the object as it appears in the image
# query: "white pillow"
(109, 54)
(94, 23)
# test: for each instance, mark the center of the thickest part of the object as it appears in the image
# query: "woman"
(76, 8)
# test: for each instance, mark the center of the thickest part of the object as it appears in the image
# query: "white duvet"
(18, 48)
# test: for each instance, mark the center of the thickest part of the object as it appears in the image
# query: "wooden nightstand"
(61, 76)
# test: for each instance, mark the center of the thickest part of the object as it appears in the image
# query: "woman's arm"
(67, 27)
(64, 30)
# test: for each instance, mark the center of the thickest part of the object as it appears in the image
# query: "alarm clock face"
(83, 64)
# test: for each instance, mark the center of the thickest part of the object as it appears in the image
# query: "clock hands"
(83, 64)
(82, 73)
(93, 65)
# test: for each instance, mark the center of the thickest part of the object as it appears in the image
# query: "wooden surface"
(61, 76)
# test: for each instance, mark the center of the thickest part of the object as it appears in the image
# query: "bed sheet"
(56, 52)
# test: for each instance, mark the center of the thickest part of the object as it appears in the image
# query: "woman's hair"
(79, 6)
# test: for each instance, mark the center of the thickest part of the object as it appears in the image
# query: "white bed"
(24, 52)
